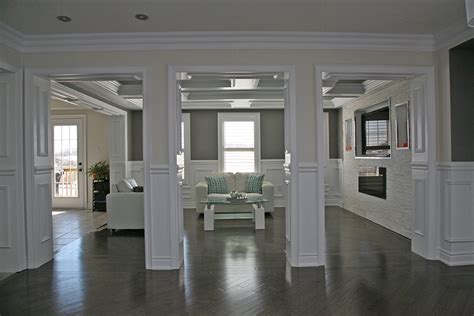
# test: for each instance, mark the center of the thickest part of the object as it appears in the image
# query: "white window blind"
(239, 151)
(376, 133)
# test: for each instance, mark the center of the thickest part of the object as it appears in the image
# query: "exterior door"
(69, 175)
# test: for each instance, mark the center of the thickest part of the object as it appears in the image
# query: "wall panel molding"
(456, 207)
(5, 206)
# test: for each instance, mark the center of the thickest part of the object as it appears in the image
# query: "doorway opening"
(374, 122)
(232, 124)
(89, 129)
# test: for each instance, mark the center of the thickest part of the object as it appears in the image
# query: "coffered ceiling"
(98, 16)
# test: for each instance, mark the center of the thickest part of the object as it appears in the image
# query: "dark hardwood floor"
(237, 270)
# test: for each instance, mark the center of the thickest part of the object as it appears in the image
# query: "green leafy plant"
(99, 170)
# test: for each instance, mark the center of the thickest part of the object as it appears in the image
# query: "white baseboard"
(308, 260)
(456, 259)
(334, 202)
(161, 263)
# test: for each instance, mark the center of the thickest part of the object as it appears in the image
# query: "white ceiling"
(97, 16)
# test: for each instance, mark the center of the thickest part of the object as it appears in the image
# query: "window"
(373, 130)
(239, 142)
(376, 133)
(185, 146)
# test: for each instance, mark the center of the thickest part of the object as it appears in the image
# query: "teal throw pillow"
(216, 184)
(254, 183)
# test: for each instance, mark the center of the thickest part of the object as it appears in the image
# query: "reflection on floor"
(69, 225)
(3, 276)
(237, 270)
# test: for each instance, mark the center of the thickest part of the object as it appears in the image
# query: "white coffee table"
(258, 212)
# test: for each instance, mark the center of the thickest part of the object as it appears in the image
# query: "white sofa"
(235, 182)
(125, 209)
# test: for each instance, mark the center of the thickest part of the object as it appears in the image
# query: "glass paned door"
(69, 173)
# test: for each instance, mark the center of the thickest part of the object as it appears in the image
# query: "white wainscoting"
(456, 202)
(333, 182)
(199, 169)
(135, 170)
(161, 218)
(12, 221)
(309, 253)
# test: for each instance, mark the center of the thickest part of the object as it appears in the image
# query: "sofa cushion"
(229, 180)
(254, 183)
(240, 181)
(126, 185)
(216, 184)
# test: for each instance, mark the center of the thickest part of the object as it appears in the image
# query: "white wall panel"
(333, 182)
(4, 118)
(135, 170)
(4, 218)
(456, 205)
(12, 221)
(44, 208)
(308, 243)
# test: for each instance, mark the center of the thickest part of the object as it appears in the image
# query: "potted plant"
(99, 171)
(100, 176)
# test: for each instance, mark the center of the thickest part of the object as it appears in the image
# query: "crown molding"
(213, 40)
(10, 37)
(453, 35)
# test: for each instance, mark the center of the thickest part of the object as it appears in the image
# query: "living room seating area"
(235, 182)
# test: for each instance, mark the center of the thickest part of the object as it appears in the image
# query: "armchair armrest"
(125, 210)
(201, 194)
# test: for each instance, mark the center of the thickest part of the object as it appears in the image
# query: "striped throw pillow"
(254, 183)
(216, 184)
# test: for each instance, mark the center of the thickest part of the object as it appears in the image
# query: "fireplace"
(373, 181)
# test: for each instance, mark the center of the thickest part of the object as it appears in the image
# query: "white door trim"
(174, 256)
(83, 118)
(144, 71)
(429, 248)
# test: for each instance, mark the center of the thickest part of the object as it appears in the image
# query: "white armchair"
(125, 210)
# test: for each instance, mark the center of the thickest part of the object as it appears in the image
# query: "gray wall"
(204, 132)
(396, 212)
(135, 134)
(461, 69)
(335, 133)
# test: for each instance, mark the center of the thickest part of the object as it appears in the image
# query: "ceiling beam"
(236, 94)
(346, 90)
(72, 96)
(130, 91)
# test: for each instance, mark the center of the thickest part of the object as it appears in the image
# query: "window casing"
(239, 142)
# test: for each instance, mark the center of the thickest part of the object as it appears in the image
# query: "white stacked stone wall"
(396, 212)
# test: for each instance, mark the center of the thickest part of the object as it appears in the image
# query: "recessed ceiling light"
(64, 18)
(141, 17)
